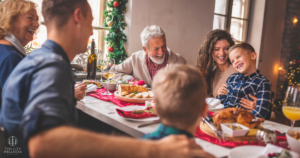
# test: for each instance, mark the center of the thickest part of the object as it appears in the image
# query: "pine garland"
(116, 38)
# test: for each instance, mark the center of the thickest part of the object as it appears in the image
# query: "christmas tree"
(292, 78)
(116, 38)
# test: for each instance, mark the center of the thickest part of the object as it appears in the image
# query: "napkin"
(91, 88)
(212, 102)
(270, 149)
(129, 114)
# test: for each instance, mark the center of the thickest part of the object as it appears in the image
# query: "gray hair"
(152, 31)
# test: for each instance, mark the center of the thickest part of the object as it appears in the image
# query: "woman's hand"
(222, 90)
(250, 105)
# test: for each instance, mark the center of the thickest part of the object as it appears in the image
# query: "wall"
(256, 23)
(271, 43)
(185, 22)
(290, 41)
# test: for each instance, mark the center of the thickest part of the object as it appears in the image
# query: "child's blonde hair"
(243, 45)
(179, 94)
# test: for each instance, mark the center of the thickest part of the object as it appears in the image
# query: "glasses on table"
(291, 104)
(108, 63)
(101, 65)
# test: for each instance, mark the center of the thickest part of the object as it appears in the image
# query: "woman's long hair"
(9, 10)
(205, 62)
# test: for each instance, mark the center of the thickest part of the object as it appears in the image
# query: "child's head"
(180, 96)
(243, 58)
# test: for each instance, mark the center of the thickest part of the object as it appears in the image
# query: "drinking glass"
(108, 63)
(101, 66)
(291, 104)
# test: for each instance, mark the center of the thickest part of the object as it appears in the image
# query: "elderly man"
(144, 64)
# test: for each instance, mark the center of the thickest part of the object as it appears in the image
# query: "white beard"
(158, 61)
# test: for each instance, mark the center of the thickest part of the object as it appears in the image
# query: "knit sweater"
(136, 66)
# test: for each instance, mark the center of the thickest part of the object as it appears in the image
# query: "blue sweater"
(9, 59)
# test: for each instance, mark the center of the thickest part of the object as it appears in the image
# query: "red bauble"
(111, 48)
(298, 47)
(116, 4)
(298, 61)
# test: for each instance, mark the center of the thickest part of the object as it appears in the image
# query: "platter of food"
(238, 116)
(133, 94)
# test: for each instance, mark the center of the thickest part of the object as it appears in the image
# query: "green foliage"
(116, 37)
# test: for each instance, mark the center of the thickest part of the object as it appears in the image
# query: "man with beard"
(144, 64)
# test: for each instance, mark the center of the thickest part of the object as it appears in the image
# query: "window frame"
(228, 17)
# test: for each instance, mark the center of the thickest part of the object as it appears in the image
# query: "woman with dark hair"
(213, 61)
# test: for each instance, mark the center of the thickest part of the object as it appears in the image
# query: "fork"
(208, 120)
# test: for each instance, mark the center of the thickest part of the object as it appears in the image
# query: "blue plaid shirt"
(240, 86)
(163, 131)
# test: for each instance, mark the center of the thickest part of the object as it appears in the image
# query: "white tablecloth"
(100, 110)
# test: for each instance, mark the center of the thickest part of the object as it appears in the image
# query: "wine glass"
(101, 66)
(108, 63)
(291, 104)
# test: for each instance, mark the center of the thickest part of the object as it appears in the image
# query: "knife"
(147, 124)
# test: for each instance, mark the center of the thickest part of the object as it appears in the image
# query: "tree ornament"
(111, 49)
(298, 62)
(291, 62)
(110, 23)
(293, 74)
(116, 4)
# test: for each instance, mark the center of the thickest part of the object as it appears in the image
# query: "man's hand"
(222, 90)
(79, 92)
(179, 146)
(250, 105)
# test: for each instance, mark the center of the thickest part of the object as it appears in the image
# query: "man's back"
(39, 93)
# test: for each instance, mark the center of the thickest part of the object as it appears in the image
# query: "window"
(232, 15)
(98, 7)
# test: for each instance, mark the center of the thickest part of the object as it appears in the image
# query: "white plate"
(247, 151)
(218, 107)
(131, 108)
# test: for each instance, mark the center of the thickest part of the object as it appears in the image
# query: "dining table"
(105, 111)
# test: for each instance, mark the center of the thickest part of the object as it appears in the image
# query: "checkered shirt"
(163, 131)
(152, 69)
(240, 86)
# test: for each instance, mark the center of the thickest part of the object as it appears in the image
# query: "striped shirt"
(240, 86)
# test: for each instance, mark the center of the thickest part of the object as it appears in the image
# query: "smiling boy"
(248, 88)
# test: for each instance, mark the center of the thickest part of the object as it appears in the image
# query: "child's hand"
(250, 105)
(222, 90)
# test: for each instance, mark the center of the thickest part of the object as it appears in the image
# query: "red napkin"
(129, 114)
(281, 140)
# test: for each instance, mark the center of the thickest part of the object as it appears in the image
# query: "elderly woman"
(18, 24)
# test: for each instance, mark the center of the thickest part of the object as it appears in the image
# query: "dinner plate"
(131, 108)
(218, 107)
(247, 151)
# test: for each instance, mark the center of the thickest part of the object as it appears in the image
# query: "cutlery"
(147, 124)
(208, 120)
(111, 112)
